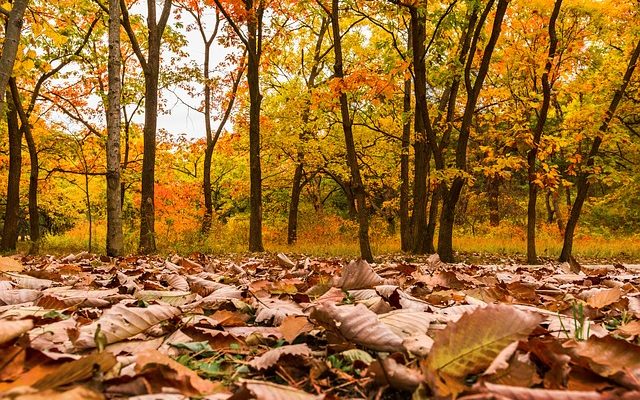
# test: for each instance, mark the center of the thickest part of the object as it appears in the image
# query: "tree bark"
(12, 211)
(115, 240)
(423, 131)
(151, 68)
(532, 155)
(583, 183)
(347, 127)
(450, 199)
(405, 226)
(13, 30)
(34, 213)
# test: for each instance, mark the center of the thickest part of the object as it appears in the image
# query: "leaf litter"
(287, 327)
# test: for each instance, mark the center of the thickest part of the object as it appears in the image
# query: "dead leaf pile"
(287, 327)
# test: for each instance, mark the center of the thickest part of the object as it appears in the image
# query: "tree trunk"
(532, 155)
(296, 185)
(422, 123)
(115, 240)
(583, 177)
(493, 193)
(25, 127)
(13, 30)
(549, 207)
(405, 227)
(12, 211)
(558, 212)
(296, 189)
(254, 25)
(450, 199)
(347, 127)
(151, 68)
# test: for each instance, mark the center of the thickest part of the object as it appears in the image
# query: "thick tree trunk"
(493, 193)
(13, 30)
(433, 218)
(208, 153)
(532, 155)
(115, 240)
(422, 124)
(34, 213)
(347, 126)
(450, 199)
(405, 226)
(12, 211)
(583, 177)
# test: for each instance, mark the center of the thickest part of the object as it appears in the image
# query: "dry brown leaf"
(520, 393)
(270, 391)
(358, 275)
(276, 310)
(76, 371)
(8, 264)
(230, 318)
(29, 282)
(271, 357)
(389, 372)
(470, 344)
(612, 358)
(53, 337)
(176, 281)
(18, 296)
(405, 323)
(293, 326)
(121, 322)
(630, 329)
(10, 330)
(58, 298)
(162, 371)
(174, 298)
(358, 324)
(76, 393)
(604, 297)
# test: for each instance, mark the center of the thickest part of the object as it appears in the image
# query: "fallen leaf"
(293, 326)
(10, 330)
(121, 322)
(258, 390)
(470, 344)
(271, 357)
(358, 275)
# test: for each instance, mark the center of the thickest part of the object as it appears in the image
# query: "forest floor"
(274, 327)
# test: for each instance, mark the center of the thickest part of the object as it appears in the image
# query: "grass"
(333, 237)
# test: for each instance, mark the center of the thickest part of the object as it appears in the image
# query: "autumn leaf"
(470, 344)
(121, 322)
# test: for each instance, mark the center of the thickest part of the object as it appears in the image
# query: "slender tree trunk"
(558, 212)
(296, 189)
(549, 207)
(296, 185)
(405, 226)
(13, 30)
(450, 199)
(115, 240)
(532, 155)
(583, 177)
(89, 213)
(208, 153)
(493, 192)
(347, 126)
(12, 211)
(34, 213)
(254, 30)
